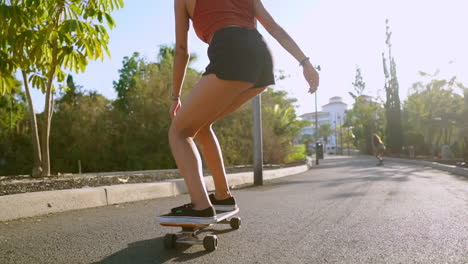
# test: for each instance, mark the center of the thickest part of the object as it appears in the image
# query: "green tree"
(365, 118)
(127, 81)
(43, 39)
(434, 111)
(12, 109)
(325, 132)
(141, 119)
(308, 141)
(359, 85)
(81, 132)
(280, 127)
(14, 144)
(394, 131)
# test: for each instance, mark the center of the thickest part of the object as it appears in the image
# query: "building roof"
(334, 103)
(320, 113)
(335, 100)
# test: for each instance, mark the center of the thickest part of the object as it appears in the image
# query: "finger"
(312, 90)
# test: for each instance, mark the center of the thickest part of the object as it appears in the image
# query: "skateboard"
(380, 163)
(190, 232)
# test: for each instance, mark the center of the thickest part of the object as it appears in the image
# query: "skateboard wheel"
(210, 242)
(170, 241)
(235, 223)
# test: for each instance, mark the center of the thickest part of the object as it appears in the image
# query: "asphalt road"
(345, 211)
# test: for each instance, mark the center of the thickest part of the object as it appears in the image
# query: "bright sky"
(336, 34)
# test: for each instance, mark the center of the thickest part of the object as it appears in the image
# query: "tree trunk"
(45, 135)
(46, 122)
(49, 101)
(37, 168)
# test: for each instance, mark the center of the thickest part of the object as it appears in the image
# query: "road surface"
(345, 211)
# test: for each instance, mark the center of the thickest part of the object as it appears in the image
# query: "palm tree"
(325, 132)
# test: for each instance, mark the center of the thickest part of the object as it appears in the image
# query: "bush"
(296, 152)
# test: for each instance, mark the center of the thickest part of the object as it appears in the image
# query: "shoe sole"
(225, 207)
(187, 220)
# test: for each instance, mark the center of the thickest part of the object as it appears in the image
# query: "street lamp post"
(316, 132)
(336, 134)
(257, 139)
(341, 136)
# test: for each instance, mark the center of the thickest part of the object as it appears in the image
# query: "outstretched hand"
(312, 77)
(175, 107)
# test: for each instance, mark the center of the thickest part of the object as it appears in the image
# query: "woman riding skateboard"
(378, 148)
(240, 68)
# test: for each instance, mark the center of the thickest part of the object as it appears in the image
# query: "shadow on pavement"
(153, 251)
(347, 195)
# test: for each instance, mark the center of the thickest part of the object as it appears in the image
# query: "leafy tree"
(81, 132)
(434, 110)
(325, 132)
(359, 85)
(42, 39)
(365, 118)
(12, 109)
(394, 131)
(167, 52)
(126, 81)
(14, 145)
(308, 141)
(280, 127)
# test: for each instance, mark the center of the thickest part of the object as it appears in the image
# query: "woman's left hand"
(175, 107)
(311, 76)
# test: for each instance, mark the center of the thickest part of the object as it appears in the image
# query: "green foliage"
(309, 142)
(12, 109)
(325, 132)
(90, 128)
(45, 38)
(393, 129)
(434, 111)
(297, 152)
(365, 118)
(280, 126)
(81, 132)
(359, 85)
(15, 145)
(127, 81)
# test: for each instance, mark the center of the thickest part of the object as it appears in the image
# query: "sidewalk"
(438, 166)
(32, 204)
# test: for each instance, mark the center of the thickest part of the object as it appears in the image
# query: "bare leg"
(211, 150)
(210, 97)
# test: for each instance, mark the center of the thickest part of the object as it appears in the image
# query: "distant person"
(412, 153)
(240, 68)
(465, 149)
(378, 148)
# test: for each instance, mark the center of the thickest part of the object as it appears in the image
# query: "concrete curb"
(40, 203)
(447, 168)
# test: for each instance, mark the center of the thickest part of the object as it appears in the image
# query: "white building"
(332, 113)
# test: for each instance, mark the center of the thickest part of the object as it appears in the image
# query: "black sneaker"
(228, 204)
(185, 214)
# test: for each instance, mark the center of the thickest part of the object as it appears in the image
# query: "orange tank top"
(212, 15)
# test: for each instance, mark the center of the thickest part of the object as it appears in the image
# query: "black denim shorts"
(240, 54)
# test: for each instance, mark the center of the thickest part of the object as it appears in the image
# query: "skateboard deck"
(189, 233)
